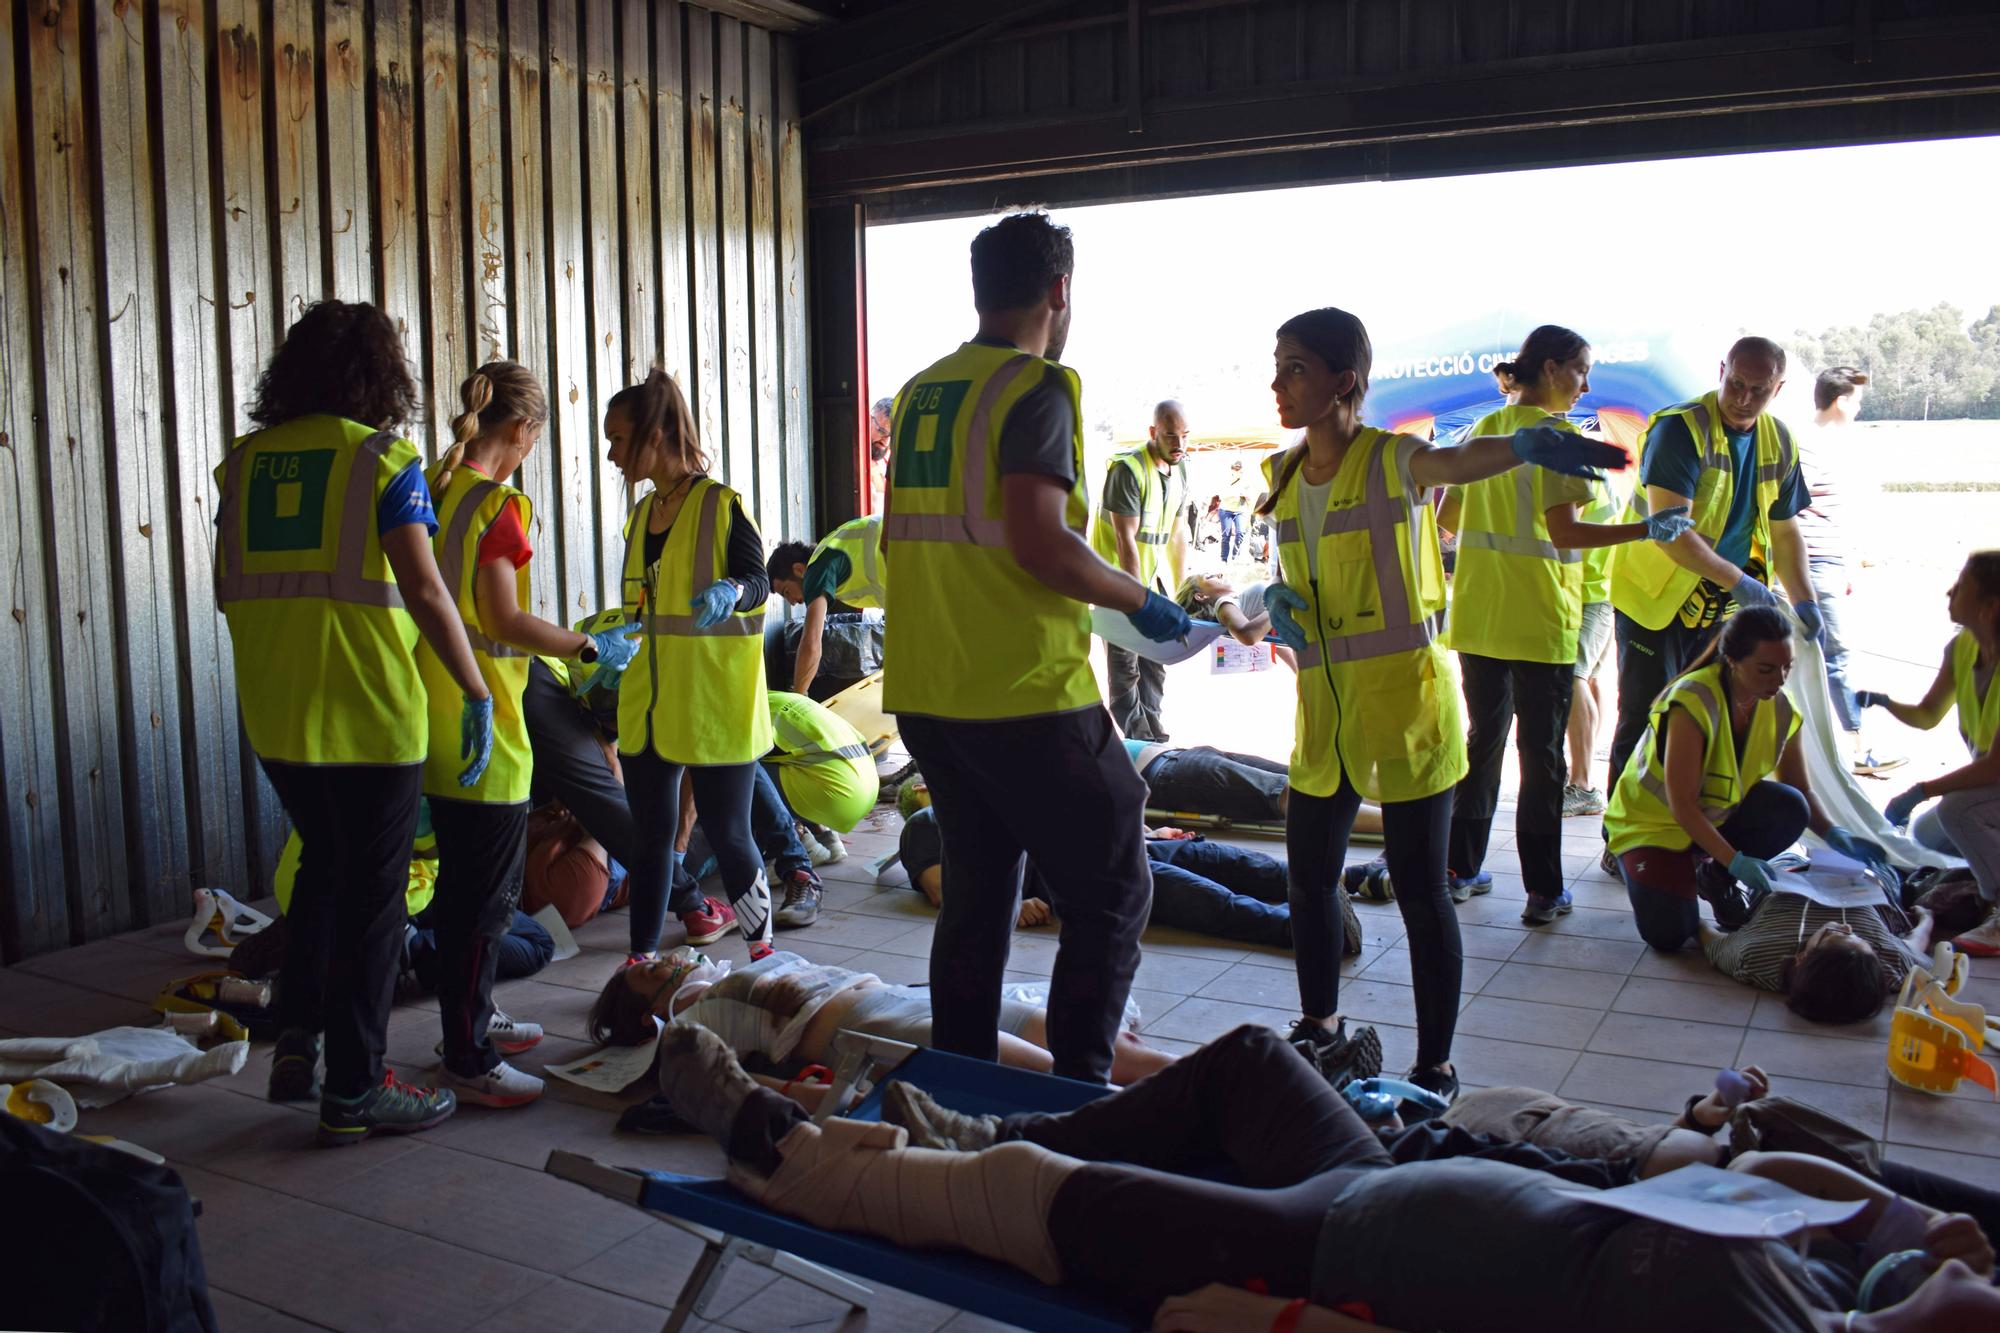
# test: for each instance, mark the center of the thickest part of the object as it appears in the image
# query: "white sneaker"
(835, 849)
(815, 852)
(1983, 940)
(511, 1036)
(503, 1085)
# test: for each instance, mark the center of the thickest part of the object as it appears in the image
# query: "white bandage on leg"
(850, 1175)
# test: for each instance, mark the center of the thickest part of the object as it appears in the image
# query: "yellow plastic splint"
(197, 995)
(1934, 1039)
(860, 706)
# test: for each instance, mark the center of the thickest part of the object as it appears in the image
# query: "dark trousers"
(1137, 686)
(481, 848)
(1212, 888)
(1829, 580)
(721, 803)
(1647, 660)
(344, 928)
(1202, 780)
(772, 827)
(570, 767)
(1414, 834)
(1771, 818)
(1060, 789)
(1533, 698)
(524, 950)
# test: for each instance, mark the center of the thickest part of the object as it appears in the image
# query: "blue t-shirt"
(408, 500)
(1671, 462)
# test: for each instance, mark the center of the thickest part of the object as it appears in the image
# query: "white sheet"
(1115, 628)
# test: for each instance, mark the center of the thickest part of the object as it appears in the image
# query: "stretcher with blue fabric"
(733, 1226)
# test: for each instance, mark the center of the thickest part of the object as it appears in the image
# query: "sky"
(1180, 298)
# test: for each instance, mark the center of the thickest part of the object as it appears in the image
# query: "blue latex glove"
(1749, 592)
(616, 647)
(1870, 699)
(1281, 601)
(1161, 619)
(713, 603)
(1811, 623)
(1668, 523)
(1899, 810)
(1860, 849)
(1561, 450)
(475, 739)
(1751, 873)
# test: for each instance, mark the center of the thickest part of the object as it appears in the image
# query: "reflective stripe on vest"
(451, 566)
(1526, 517)
(1641, 812)
(970, 527)
(801, 748)
(344, 582)
(736, 623)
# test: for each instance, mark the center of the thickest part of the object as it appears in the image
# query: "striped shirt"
(1820, 521)
(1755, 954)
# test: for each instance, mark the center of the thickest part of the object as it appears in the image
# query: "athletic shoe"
(1608, 863)
(295, 1067)
(1441, 1081)
(1465, 888)
(930, 1125)
(1982, 941)
(1871, 765)
(502, 1086)
(1540, 911)
(709, 922)
(1339, 1058)
(1581, 801)
(816, 852)
(801, 905)
(634, 959)
(1369, 881)
(510, 1036)
(1731, 902)
(830, 843)
(391, 1107)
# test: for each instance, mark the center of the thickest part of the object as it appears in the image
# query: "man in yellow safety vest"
(1139, 517)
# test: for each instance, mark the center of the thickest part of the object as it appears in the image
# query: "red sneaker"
(709, 922)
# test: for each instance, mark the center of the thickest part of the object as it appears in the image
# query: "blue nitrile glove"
(475, 738)
(1378, 1098)
(1281, 601)
(1561, 450)
(1870, 699)
(1899, 810)
(1751, 873)
(1668, 523)
(1748, 592)
(1161, 619)
(616, 647)
(714, 603)
(1848, 845)
(1811, 623)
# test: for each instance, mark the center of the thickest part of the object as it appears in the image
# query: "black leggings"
(721, 803)
(1415, 835)
(481, 848)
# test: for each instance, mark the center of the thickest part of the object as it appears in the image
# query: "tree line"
(1922, 364)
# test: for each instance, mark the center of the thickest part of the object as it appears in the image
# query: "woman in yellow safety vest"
(692, 700)
(1966, 820)
(483, 552)
(323, 567)
(1359, 601)
(1516, 611)
(1696, 814)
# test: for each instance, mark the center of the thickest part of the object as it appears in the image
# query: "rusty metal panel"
(31, 856)
(294, 122)
(736, 451)
(398, 221)
(704, 261)
(767, 408)
(795, 377)
(447, 346)
(486, 176)
(142, 498)
(574, 427)
(350, 271)
(643, 307)
(670, 182)
(83, 697)
(608, 341)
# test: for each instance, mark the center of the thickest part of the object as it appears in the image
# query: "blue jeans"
(1212, 888)
(1829, 580)
(1232, 532)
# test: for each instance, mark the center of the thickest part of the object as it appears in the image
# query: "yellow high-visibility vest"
(823, 763)
(969, 634)
(1639, 816)
(325, 667)
(1516, 595)
(1602, 508)
(469, 505)
(1978, 719)
(860, 540)
(1161, 501)
(691, 696)
(1646, 584)
(1378, 694)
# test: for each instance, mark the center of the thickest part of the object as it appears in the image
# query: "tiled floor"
(459, 1228)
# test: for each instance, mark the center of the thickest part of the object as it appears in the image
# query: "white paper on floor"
(551, 920)
(610, 1068)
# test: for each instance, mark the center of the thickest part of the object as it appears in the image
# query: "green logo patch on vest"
(285, 506)
(925, 433)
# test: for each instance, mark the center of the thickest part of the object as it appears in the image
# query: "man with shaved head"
(1138, 517)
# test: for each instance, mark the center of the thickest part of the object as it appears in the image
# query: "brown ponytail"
(495, 395)
(657, 403)
(1740, 635)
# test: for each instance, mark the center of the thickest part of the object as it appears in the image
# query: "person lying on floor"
(786, 1009)
(1324, 1219)
(1209, 888)
(1832, 964)
(1220, 784)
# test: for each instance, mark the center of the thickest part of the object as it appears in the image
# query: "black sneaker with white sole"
(1339, 1057)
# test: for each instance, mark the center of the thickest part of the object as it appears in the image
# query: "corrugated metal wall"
(586, 187)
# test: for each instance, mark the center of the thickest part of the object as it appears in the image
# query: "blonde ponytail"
(493, 395)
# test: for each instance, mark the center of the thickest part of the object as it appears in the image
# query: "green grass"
(1944, 486)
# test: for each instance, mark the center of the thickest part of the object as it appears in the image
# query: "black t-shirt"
(745, 557)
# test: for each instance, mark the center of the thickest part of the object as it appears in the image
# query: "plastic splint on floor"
(1934, 1037)
(221, 923)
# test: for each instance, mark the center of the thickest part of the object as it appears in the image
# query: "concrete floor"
(460, 1228)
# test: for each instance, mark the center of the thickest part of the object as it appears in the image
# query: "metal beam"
(772, 15)
(956, 29)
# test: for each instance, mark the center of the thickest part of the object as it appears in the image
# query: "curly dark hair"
(342, 359)
(779, 566)
(1835, 985)
(1015, 260)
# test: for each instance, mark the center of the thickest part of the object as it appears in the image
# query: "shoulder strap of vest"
(1784, 720)
(1788, 452)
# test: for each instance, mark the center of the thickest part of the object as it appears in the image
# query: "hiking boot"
(1339, 1058)
(1729, 900)
(1581, 801)
(391, 1107)
(1540, 911)
(932, 1126)
(502, 1086)
(801, 905)
(509, 1035)
(1872, 765)
(709, 922)
(295, 1067)
(1466, 887)
(1608, 863)
(1350, 929)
